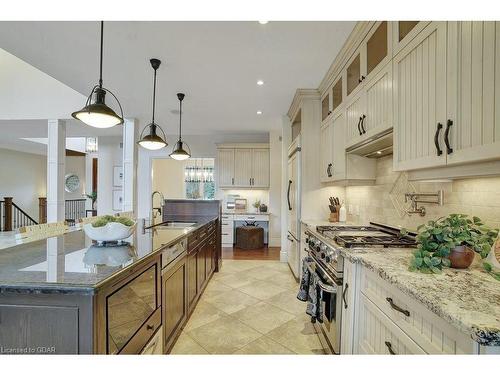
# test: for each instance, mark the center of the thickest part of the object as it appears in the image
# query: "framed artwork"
(117, 200)
(117, 175)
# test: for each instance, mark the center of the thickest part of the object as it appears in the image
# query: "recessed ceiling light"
(259, 112)
(263, 22)
(379, 152)
(260, 82)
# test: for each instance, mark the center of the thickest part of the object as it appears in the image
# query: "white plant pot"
(109, 232)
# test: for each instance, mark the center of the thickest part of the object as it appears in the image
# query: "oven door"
(331, 307)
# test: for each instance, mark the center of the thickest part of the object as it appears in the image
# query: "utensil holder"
(334, 216)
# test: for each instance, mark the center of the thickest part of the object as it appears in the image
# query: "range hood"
(376, 146)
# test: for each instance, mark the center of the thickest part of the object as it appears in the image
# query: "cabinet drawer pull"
(343, 295)
(389, 347)
(150, 327)
(251, 217)
(396, 307)
(436, 139)
(359, 122)
(362, 124)
(449, 150)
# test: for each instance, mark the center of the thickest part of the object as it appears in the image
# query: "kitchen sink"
(177, 224)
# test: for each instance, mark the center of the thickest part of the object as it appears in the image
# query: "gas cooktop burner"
(375, 241)
(345, 228)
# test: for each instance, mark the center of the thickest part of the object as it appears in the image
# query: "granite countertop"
(72, 262)
(467, 299)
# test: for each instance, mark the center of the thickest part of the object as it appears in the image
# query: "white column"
(130, 135)
(56, 155)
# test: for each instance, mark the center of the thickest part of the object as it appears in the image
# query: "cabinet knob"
(150, 327)
(361, 79)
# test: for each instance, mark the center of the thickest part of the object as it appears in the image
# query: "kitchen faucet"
(414, 198)
(156, 210)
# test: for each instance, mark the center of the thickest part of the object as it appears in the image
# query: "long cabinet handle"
(232, 181)
(343, 295)
(359, 122)
(329, 170)
(449, 150)
(389, 347)
(362, 124)
(288, 195)
(439, 152)
(396, 307)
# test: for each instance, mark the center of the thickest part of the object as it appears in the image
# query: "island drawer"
(428, 330)
(144, 334)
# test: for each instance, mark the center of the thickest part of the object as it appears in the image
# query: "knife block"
(334, 216)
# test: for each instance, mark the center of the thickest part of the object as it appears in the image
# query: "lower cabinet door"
(201, 267)
(378, 335)
(174, 300)
(192, 278)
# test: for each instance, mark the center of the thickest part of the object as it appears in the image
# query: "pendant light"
(179, 153)
(97, 113)
(153, 141)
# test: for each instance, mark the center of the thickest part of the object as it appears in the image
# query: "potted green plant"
(451, 241)
(93, 197)
(256, 205)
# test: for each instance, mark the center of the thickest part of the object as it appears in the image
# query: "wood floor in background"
(266, 253)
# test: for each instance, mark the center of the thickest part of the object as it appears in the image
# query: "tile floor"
(250, 307)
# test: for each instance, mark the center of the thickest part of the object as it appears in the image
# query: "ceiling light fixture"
(263, 22)
(259, 112)
(178, 153)
(153, 141)
(260, 82)
(98, 114)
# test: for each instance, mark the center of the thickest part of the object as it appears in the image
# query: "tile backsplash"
(477, 196)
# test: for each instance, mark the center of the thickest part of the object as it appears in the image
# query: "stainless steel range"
(323, 246)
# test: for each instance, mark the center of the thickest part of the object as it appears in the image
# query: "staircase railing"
(12, 216)
(74, 209)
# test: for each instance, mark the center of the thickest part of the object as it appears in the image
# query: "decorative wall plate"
(71, 182)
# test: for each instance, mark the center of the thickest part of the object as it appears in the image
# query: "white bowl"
(109, 232)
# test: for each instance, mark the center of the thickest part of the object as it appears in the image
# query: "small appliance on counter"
(230, 202)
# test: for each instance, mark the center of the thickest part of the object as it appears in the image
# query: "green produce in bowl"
(102, 221)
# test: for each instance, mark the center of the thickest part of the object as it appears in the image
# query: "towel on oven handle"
(310, 291)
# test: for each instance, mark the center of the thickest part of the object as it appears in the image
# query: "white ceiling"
(216, 64)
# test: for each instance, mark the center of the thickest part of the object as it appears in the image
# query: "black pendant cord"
(154, 99)
(180, 120)
(100, 63)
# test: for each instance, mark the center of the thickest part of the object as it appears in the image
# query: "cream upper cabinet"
(260, 167)
(325, 149)
(225, 167)
(243, 167)
(355, 110)
(338, 141)
(378, 112)
(472, 128)
(419, 92)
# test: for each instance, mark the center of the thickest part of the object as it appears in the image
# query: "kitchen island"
(65, 294)
(389, 307)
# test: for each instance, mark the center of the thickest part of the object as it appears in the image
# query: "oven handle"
(324, 287)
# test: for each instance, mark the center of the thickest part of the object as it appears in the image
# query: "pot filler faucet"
(415, 199)
(155, 211)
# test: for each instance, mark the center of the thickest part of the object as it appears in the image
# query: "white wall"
(275, 197)
(23, 177)
(168, 178)
(43, 97)
(110, 154)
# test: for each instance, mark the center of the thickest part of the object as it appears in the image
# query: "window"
(199, 179)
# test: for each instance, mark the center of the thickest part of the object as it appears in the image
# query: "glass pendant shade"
(96, 113)
(179, 152)
(153, 141)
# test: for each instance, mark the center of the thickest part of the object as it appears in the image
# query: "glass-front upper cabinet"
(354, 77)
(377, 47)
(337, 94)
(404, 27)
(325, 106)
(404, 32)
